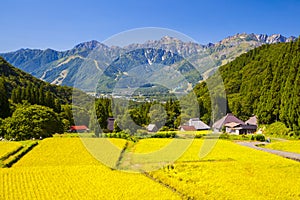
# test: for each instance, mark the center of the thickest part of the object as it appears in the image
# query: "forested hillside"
(265, 82)
(31, 108)
(22, 86)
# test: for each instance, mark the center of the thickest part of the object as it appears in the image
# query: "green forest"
(31, 108)
(265, 82)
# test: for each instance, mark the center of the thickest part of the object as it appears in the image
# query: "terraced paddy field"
(62, 168)
(231, 171)
(289, 146)
(8, 147)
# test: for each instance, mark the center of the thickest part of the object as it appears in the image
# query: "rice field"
(68, 168)
(8, 147)
(289, 146)
(231, 171)
(62, 168)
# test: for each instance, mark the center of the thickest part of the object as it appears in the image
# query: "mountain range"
(91, 65)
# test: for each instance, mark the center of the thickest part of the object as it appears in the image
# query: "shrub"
(122, 135)
(199, 135)
(259, 137)
(294, 134)
(106, 130)
(277, 128)
(32, 121)
(164, 128)
(164, 135)
(224, 136)
(142, 132)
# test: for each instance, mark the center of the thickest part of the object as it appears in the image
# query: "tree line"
(132, 115)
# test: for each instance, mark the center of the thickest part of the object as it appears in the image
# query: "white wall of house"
(232, 131)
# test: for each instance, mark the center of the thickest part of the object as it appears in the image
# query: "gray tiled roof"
(198, 124)
(227, 119)
(252, 120)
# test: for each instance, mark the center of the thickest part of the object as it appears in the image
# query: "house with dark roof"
(110, 123)
(194, 124)
(251, 124)
(234, 125)
(152, 128)
(252, 121)
(198, 124)
(238, 129)
(218, 125)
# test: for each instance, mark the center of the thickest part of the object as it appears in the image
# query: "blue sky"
(61, 24)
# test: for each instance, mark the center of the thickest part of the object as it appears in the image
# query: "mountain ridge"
(61, 67)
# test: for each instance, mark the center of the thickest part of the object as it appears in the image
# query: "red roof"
(188, 128)
(78, 128)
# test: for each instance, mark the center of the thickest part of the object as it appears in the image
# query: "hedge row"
(7, 155)
(18, 155)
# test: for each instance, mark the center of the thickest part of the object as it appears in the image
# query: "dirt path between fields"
(124, 163)
(255, 145)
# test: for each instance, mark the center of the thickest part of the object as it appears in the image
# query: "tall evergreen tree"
(14, 96)
(41, 96)
(264, 110)
(4, 103)
(57, 106)
(49, 100)
(23, 95)
(101, 113)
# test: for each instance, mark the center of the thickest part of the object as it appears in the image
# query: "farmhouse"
(152, 128)
(198, 124)
(110, 123)
(187, 128)
(239, 128)
(78, 129)
(234, 125)
(194, 124)
(252, 121)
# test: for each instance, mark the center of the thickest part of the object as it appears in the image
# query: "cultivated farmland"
(290, 146)
(8, 147)
(62, 168)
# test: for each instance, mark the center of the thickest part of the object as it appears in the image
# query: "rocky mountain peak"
(275, 38)
(168, 39)
(260, 38)
(291, 38)
(90, 45)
